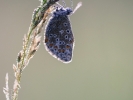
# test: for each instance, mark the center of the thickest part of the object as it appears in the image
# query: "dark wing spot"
(50, 35)
(65, 24)
(60, 42)
(55, 35)
(51, 45)
(68, 31)
(46, 40)
(62, 50)
(63, 42)
(59, 50)
(66, 36)
(57, 39)
(67, 46)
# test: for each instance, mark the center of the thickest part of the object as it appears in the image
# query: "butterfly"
(58, 37)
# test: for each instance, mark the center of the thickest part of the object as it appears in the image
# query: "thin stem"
(30, 46)
(26, 45)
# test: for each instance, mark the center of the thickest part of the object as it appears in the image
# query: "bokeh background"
(102, 66)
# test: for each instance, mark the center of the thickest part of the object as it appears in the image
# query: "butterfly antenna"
(71, 4)
(64, 4)
(78, 6)
(59, 5)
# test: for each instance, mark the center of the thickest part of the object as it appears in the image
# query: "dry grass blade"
(6, 89)
(29, 48)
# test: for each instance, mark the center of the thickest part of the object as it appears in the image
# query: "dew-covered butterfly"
(59, 38)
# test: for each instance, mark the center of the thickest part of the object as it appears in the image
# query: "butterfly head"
(62, 11)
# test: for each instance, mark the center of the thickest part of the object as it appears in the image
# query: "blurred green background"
(102, 66)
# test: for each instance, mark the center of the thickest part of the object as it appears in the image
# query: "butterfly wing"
(59, 39)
